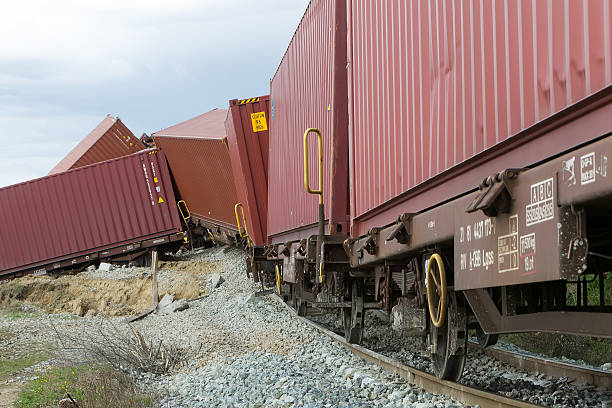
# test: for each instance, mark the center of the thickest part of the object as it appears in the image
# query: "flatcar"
(458, 175)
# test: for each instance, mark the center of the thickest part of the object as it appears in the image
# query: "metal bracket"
(302, 248)
(370, 244)
(401, 231)
(494, 197)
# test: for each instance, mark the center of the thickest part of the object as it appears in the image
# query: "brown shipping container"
(200, 163)
(82, 214)
(247, 136)
(307, 92)
(445, 93)
(109, 140)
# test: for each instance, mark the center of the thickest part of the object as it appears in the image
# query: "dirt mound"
(111, 294)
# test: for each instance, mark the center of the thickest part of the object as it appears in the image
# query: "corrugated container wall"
(435, 83)
(302, 97)
(247, 136)
(200, 163)
(109, 140)
(87, 209)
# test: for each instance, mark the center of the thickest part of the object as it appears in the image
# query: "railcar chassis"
(515, 255)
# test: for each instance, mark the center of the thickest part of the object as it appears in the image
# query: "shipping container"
(109, 140)
(309, 90)
(199, 159)
(446, 93)
(87, 214)
(247, 135)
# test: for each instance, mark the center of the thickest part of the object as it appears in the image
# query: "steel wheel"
(485, 340)
(451, 341)
(355, 316)
(436, 290)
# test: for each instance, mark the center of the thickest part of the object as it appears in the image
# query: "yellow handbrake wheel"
(278, 279)
(436, 290)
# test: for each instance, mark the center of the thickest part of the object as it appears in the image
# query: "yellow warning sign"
(161, 200)
(259, 121)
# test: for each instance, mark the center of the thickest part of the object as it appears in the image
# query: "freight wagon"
(117, 209)
(200, 165)
(457, 178)
(109, 140)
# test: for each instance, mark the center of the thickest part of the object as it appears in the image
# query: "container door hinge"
(494, 197)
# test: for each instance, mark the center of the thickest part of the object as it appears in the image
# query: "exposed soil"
(8, 395)
(120, 292)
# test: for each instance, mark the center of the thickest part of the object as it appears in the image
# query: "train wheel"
(485, 340)
(450, 339)
(354, 317)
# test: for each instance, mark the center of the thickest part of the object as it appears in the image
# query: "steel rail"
(533, 364)
(426, 381)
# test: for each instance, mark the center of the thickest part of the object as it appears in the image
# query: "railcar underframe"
(500, 259)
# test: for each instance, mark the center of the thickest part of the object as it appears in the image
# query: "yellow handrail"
(306, 178)
(246, 231)
(185, 218)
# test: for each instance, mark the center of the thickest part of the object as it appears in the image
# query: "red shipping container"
(96, 211)
(308, 90)
(109, 140)
(199, 159)
(247, 136)
(445, 93)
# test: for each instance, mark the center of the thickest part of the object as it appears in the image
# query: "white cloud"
(67, 64)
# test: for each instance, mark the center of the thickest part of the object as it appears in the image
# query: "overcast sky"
(65, 64)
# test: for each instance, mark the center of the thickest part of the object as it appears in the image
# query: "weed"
(91, 386)
(10, 366)
(592, 350)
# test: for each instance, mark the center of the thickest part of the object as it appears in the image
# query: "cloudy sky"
(65, 64)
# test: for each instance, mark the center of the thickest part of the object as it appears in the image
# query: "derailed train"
(461, 153)
(458, 179)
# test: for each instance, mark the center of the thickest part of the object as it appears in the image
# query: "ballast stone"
(216, 280)
(105, 267)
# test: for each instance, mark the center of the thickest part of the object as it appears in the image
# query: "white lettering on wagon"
(587, 168)
(479, 257)
(542, 207)
(528, 252)
(507, 247)
(144, 168)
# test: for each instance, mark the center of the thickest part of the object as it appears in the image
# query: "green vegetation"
(594, 351)
(13, 365)
(91, 386)
(592, 291)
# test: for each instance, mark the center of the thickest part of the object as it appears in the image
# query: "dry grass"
(91, 386)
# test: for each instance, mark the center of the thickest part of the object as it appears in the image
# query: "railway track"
(430, 383)
(532, 364)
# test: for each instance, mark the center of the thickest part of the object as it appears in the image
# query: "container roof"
(84, 145)
(209, 125)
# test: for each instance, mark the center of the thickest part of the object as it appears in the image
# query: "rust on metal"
(533, 364)
(428, 382)
(109, 140)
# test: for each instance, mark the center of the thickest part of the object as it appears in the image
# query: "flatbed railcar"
(462, 167)
(117, 209)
